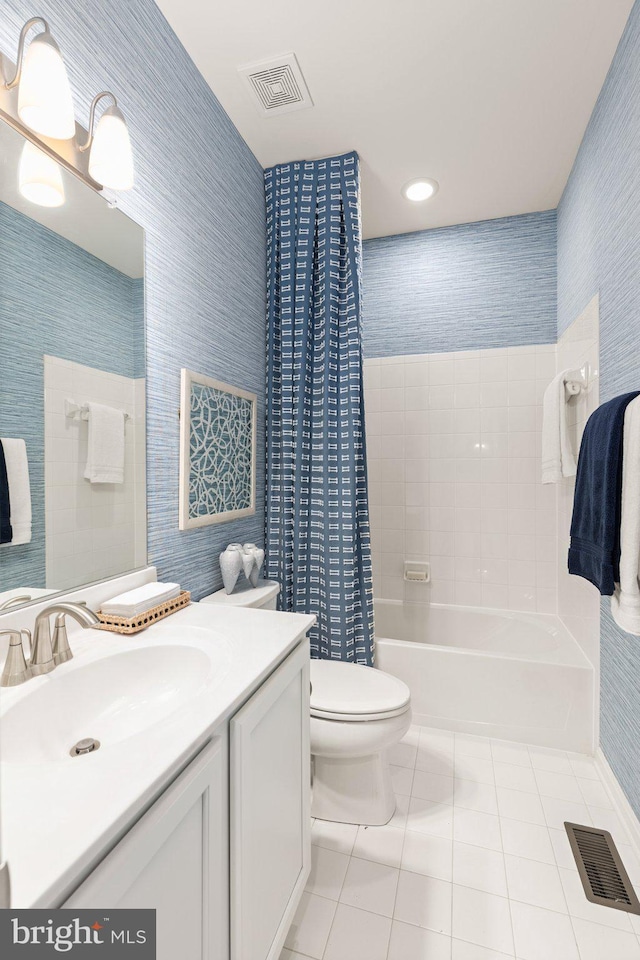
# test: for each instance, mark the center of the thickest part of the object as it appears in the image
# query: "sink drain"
(88, 745)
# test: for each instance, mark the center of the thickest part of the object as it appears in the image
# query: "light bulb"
(44, 94)
(419, 190)
(39, 177)
(111, 160)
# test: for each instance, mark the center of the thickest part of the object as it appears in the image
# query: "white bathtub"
(515, 676)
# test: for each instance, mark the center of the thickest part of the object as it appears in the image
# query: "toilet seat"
(352, 692)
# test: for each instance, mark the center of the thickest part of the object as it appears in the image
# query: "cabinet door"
(270, 810)
(175, 860)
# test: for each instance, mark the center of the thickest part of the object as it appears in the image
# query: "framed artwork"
(217, 451)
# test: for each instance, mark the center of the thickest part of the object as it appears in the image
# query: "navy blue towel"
(6, 533)
(594, 552)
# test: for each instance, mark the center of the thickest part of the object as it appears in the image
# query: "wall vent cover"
(601, 870)
(277, 85)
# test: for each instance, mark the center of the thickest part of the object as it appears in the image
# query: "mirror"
(72, 392)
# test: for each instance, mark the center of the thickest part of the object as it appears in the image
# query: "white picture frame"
(220, 419)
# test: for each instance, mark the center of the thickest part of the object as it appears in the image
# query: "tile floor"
(475, 864)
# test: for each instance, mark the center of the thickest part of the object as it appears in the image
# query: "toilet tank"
(265, 595)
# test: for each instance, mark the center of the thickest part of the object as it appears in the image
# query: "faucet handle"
(16, 670)
(41, 660)
(61, 649)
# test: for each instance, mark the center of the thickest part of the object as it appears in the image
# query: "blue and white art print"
(218, 446)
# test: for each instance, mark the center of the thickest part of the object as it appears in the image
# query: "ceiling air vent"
(277, 86)
(601, 870)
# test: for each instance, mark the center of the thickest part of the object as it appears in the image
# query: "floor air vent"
(601, 870)
(277, 86)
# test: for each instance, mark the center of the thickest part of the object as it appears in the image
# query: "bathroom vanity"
(196, 803)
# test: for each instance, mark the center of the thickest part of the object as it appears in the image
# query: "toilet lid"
(352, 691)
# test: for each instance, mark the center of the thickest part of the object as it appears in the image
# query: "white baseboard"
(623, 807)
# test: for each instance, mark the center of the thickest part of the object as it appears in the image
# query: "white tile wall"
(578, 601)
(454, 465)
(92, 530)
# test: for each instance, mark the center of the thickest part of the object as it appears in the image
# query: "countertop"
(59, 818)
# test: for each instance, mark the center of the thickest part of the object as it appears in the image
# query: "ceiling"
(489, 97)
(85, 218)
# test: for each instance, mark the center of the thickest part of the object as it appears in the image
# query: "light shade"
(111, 160)
(421, 189)
(44, 95)
(40, 178)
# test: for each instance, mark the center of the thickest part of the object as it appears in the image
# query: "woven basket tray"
(144, 620)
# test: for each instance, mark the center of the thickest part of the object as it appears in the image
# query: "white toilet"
(357, 713)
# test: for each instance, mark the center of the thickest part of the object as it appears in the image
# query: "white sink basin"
(110, 700)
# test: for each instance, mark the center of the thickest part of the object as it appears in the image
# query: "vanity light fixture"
(110, 159)
(420, 189)
(40, 177)
(44, 94)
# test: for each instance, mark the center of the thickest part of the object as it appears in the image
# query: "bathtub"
(497, 673)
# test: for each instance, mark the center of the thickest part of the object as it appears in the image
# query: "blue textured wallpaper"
(478, 285)
(199, 195)
(599, 249)
(55, 298)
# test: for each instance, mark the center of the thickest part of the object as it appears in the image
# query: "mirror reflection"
(72, 394)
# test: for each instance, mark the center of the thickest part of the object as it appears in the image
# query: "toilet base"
(356, 790)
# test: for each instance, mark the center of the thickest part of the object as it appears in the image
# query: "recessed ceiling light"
(420, 189)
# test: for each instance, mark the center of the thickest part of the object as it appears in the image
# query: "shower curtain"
(317, 515)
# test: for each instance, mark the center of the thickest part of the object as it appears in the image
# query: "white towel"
(15, 455)
(137, 601)
(105, 457)
(625, 602)
(558, 459)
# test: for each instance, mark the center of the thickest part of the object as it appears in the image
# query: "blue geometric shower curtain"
(317, 513)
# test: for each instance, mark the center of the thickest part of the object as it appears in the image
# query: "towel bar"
(80, 411)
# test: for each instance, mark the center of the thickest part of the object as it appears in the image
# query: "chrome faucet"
(47, 654)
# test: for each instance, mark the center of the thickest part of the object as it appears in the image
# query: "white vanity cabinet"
(246, 792)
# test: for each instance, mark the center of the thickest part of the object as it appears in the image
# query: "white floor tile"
(412, 736)
(562, 848)
(416, 943)
(583, 909)
(424, 901)
(442, 740)
(399, 818)
(435, 759)
(473, 768)
(328, 870)
(382, 844)
(518, 805)
(403, 754)
(533, 882)
(467, 746)
(475, 796)
(427, 817)
(334, 836)
(357, 935)
(401, 778)
(370, 886)
(601, 943)
(526, 840)
(594, 793)
(515, 777)
(432, 786)
(558, 812)
(545, 758)
(584, 767)
(541, 934)
(482, 918)
(461, 950)
(481, 829)
(609, 820)
(309, 931)
(480, 868)
(558, 785)
(428, 855)
(505, 752)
